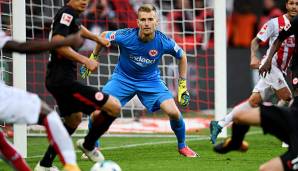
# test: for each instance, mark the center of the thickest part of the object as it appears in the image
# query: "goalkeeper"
(137, 71)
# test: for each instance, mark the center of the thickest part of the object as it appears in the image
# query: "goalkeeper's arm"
(84, 72)
(183, 95)
(183, 66)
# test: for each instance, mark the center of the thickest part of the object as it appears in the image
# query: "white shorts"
(18, 106)
(273, 80)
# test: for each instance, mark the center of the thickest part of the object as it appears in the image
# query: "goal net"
(189, 23)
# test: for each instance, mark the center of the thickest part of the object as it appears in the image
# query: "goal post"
(220, 61)
(19, 69)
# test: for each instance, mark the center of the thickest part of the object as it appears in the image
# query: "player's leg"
(285, 96)
(254, 100)
(11, 156)
(277, 81)
(273, 120)
(90, 121)
(58, 136)
(87, 100)
(216, 126)
(170, 108)
(97, 143)
(71, 122)
(274, 164)
(241, 120)
(24, 107)
(109, 111)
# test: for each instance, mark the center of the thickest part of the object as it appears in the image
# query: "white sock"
(229, 117)
(60, 138)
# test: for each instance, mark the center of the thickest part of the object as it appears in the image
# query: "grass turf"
(160, 154)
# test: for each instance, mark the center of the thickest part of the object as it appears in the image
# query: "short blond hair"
(146, 8)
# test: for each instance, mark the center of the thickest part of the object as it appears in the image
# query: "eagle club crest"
(153, 53)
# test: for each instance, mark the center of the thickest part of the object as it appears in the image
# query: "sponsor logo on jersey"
(66, 19)
(295, 81)
(99, 96)
(141, 61)
(153, 52)
(263, 30)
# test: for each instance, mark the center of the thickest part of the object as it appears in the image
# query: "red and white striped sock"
(10, 154)
(59, 138)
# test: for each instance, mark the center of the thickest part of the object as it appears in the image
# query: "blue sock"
(178, 126)
(97, 143)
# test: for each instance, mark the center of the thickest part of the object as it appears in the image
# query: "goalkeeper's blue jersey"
(139, 60)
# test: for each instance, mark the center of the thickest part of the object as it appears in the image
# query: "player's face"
(147, 22)
(292, 7)
(80, 5)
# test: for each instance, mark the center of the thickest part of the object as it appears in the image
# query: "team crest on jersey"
(99, 96)
(66, 19)
(280, 81)
(287, 26)
(153, 53)
(295, 81)
(113, 35)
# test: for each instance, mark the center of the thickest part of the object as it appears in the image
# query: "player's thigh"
(18, 106)
(153, 93)
(284, 93)
(276, 79)
(275, 120)
(153, 100)
(249, 116)
(121, 90)
(274, 164)
(263, 89)
(88, 99)
(77, 97)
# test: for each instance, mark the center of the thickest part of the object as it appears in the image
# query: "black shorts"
(282, 123)
(77, 97)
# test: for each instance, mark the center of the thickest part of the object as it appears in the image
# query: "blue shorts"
(150, 93)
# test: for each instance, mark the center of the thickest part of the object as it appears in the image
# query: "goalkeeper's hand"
(183, 94)
(84, 71)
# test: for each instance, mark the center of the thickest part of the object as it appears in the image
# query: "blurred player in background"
(19, 106)
(282, 122)
(137, 71)
(73, 97)
(274, 81)
(278, 121)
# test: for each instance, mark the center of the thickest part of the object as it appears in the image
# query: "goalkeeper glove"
(84, 71)
(183, 94)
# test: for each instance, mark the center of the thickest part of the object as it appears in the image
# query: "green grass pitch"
(160, 154)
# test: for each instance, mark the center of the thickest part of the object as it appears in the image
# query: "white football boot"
(94, 155)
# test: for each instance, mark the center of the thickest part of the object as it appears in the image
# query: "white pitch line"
(198, 138)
